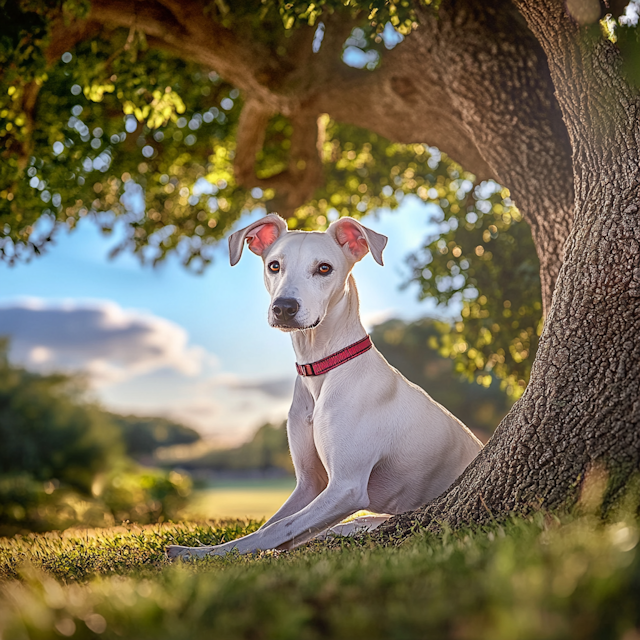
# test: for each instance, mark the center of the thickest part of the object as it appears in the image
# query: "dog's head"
(305, 271)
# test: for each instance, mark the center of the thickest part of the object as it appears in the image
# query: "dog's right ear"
(260, 235)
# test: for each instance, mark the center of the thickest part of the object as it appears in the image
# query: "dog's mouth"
(289, 327)
(312, 326)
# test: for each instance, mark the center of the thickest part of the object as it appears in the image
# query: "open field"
(257, 499)
(540, 578)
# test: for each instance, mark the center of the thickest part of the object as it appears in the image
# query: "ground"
(544, 577)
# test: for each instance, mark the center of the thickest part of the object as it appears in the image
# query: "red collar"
(335, 359)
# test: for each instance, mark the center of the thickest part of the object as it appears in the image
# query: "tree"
(267, 451)
(48, 432)
(85, 159)
(536, 96)
(62, 459)
(581, 411)
(142, 435)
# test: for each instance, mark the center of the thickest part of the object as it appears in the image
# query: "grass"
(538, 578)
(257, 499)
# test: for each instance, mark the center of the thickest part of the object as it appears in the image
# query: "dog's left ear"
(260, 235)
(356, 240)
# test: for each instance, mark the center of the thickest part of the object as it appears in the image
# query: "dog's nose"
(285, 308)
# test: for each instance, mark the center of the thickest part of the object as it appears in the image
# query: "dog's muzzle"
(284, 311)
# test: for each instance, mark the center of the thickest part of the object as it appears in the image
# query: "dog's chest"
(314, 385)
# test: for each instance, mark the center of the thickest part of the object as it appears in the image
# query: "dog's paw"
(176, 552)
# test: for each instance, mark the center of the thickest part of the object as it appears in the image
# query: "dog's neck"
(340, 328)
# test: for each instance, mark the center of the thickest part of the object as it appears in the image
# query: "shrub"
(127, 494)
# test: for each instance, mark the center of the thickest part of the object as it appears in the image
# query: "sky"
(165, 341)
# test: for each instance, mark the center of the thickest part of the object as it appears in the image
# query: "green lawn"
(539, 578)
(257, 499)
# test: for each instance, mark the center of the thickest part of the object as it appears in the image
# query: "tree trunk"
(471, 80)
(579, 418)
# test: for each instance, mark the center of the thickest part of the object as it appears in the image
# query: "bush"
(62, 460)
(128, 494)
(145, 496)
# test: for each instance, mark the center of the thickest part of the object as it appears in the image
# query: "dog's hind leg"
(362, 524)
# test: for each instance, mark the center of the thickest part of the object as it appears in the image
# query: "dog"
(361, 435)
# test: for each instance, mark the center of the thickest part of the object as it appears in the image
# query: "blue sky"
(165, 341)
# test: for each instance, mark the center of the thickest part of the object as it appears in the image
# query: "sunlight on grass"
(537, 578)
(240, 499)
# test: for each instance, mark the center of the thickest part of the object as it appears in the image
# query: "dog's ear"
(356, 240)
(260, 235)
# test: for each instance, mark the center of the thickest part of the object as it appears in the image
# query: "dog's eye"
(274, 266)
(325, 269)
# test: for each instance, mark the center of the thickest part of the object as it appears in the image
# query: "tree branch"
(28, 105)
(66, 35)
(249, 139)
(295, 185)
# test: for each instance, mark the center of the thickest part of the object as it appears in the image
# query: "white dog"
(361, 435)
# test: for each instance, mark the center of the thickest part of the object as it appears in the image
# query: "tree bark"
(471, 80)
(578, 424)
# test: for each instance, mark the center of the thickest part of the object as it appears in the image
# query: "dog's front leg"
(311, 477)
(339, 500)
(336, 502)
(302, 495)
(307, 489)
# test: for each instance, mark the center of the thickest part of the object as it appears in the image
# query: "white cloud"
(143, 364)
(278, 388)
(39, 354)
(110, 344)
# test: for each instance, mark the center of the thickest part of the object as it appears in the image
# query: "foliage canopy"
(131, 135)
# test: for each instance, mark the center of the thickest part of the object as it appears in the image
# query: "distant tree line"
(142, 435)
(267, 451)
